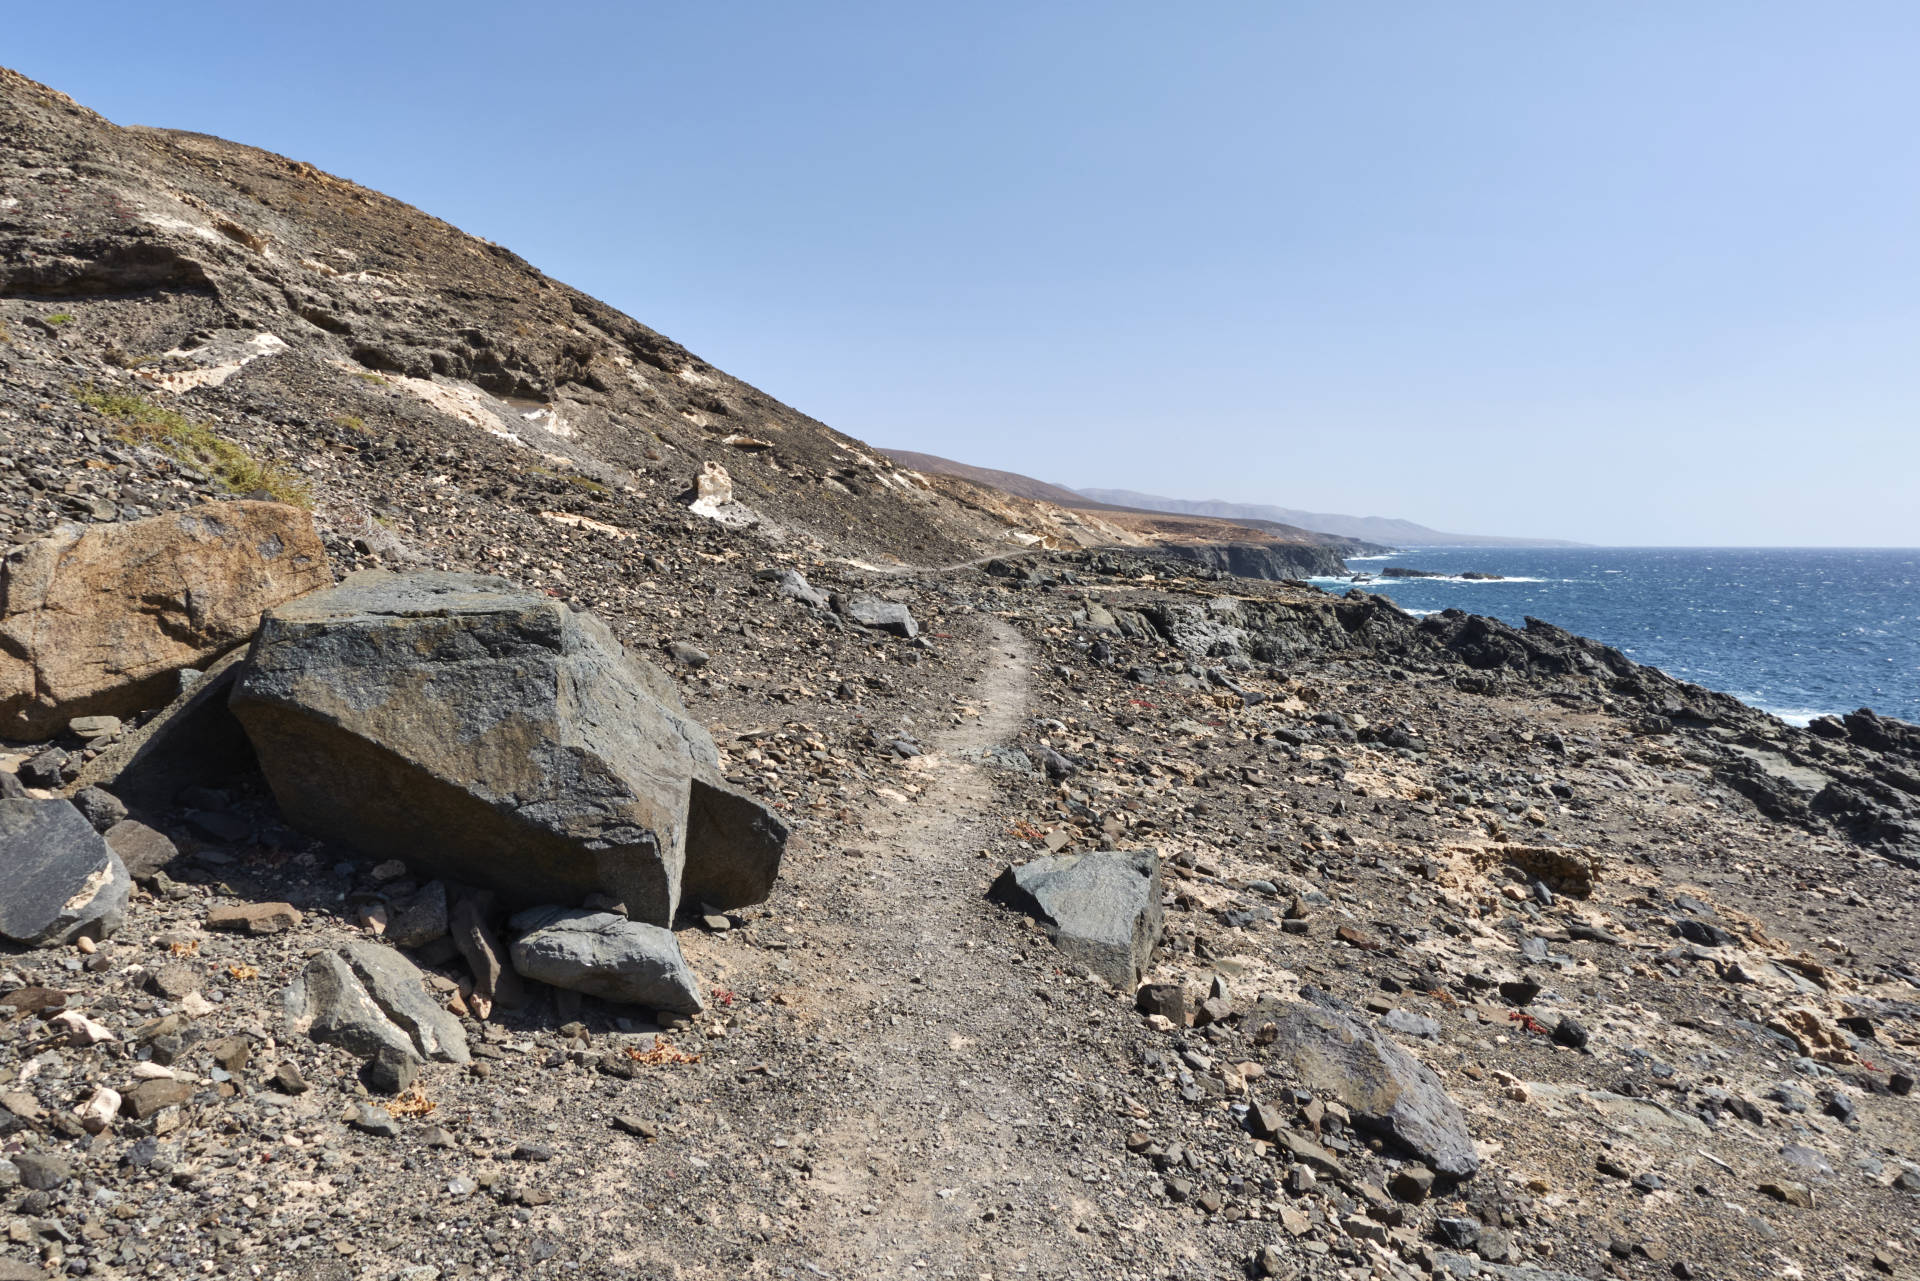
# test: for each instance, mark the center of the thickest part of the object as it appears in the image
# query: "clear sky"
(1632, 272)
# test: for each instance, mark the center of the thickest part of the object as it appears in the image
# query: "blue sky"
(1626, 273)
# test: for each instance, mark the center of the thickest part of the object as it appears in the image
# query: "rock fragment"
(605, 955)
(1384, 1087)
(1101, 909)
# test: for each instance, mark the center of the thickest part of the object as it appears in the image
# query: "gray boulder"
(1101, 909)
(882, 615)
(59, 879)
(1387, 1089)
(367, 999)
(734, 848)
(605, 955)
(489, 735)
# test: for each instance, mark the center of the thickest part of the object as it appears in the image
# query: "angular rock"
(791, 584)
(1386, 1089)
(1168, 1000)
(394, 983)
(367, 997)
(1100, 909)
(734, 848)
(148, 1097)
(59, 879)
(882, 615)
(488, 735)
(607, 956)
(96, 619)
(420, 918)
(142, 849)
(493, 977)
(391, 1070)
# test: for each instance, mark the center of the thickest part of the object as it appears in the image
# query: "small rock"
(1789, 1192)
(42, 1171)
(372, 1120)
(1168, 1000)
(391, 1069)
(286, 1078)
(100, 807)
(148, 1097)
(253, 918)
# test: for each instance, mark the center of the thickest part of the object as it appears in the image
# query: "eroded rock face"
(59, 879)
(605, 955)
(95, 620)
(490, 736)
(1102, 909)
(1386, 1088)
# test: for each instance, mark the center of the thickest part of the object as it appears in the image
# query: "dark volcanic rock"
(62, 878)
(605, 955)
(1384, 1087)
(1100, 909)
(489, 735)
(734, 848)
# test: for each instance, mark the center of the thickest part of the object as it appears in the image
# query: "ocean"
(1796, 632)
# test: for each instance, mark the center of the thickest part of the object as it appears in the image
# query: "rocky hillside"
(618, 827)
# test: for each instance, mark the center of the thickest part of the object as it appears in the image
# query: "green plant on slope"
(59, 318)
(141, 422)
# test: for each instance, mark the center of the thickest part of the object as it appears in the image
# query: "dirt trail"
(929, 1133)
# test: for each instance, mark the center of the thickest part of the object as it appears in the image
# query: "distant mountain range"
(1375, 529)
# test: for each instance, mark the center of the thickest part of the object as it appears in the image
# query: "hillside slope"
(326, 327)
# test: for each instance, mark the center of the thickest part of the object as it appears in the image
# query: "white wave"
(1799, 716)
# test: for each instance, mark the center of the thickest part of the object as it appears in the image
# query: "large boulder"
(1101, 909)
(59, 879)
(605, 955)
(95, 619)
(487, 735)
(1388, 1090)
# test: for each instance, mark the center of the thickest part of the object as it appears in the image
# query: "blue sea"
(1796, 632)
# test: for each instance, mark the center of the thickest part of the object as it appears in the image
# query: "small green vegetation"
(141, 422)
(352, 422)
(587, 483)
(59, 318)
(375, 379)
